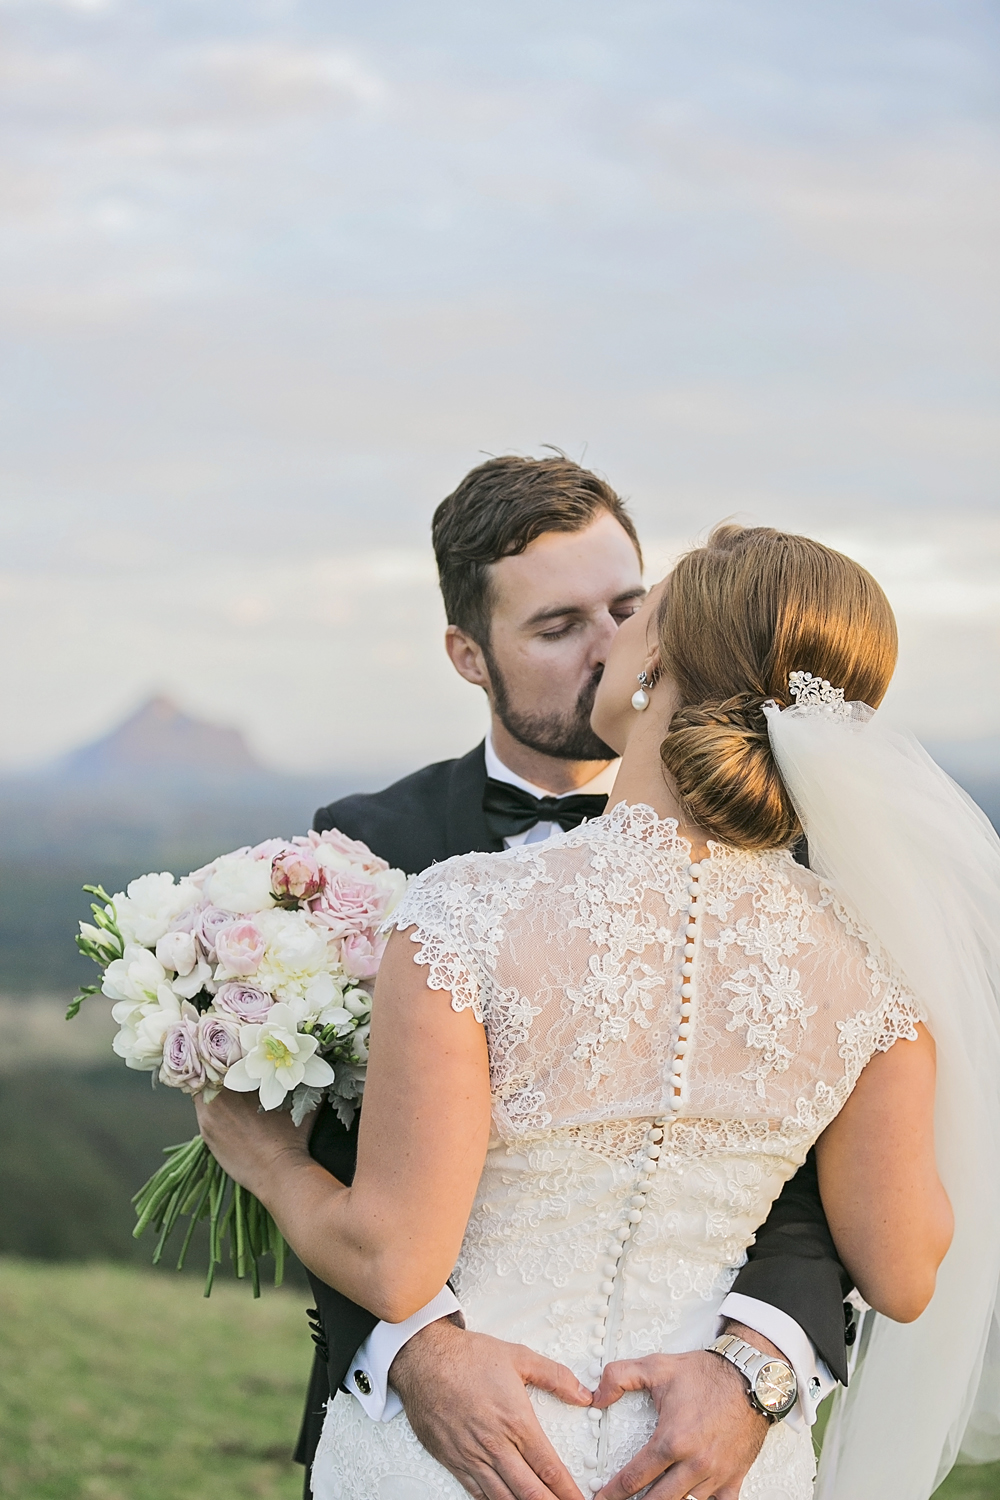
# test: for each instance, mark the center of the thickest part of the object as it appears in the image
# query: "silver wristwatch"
(773, 1387)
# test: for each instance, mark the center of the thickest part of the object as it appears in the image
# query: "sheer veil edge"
(917, 863)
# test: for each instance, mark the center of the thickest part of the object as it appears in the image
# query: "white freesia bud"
(99, 936)
(277, 1059)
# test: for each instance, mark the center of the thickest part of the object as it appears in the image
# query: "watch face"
(775, 1388)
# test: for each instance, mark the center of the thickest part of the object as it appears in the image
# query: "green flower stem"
(192, 1185)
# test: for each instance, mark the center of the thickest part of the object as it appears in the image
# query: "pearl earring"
(640, 698)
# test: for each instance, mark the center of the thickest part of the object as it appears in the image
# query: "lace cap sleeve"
(432, 907)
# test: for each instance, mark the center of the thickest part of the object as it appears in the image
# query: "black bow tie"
(510, 810)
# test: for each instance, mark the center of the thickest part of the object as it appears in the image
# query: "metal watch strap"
(749, 1361)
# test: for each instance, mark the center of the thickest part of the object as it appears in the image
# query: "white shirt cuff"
(368, 1376)
(814, 1379)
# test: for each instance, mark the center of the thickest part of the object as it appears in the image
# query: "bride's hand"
(247, 1142)
(707, 1433)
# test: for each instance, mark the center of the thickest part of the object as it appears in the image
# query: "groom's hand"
(464, 1394)
(707, 1433)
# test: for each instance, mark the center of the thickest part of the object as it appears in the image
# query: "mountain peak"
(160, 739)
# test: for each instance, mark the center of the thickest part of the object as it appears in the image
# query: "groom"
(539, 563)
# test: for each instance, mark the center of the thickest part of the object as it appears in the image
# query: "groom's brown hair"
(498, 510)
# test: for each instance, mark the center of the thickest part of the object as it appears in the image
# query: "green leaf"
(86, 991)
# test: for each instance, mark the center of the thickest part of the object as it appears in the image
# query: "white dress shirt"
(368, 1376)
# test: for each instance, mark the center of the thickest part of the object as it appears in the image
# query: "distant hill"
(160, 739)
(163, 791)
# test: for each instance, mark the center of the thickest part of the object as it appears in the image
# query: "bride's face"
(635, 649)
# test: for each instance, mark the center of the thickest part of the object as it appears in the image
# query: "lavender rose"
(183, 1066)
(240, 948)
(243, 1003)
(295, 873)
(218, 1041)
(210, 921)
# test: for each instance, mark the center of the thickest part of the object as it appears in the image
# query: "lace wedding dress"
(667, 1040)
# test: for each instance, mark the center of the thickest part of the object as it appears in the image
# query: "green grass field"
(120, 1384)
(124, 1384)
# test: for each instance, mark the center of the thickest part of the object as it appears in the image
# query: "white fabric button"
(595, 1368)
(689, 950)
(595, 1485)
(594, 1415)
(637, 1200)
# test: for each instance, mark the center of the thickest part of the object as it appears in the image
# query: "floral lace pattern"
(606, 1223)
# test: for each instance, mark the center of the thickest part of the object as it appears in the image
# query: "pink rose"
(240, 948)
(352, 849)
(349, 903)
(243, 1002)
(210, 920)
(295, 873)
(361, 954)
(183, 1066)
(218, 1041)
(269, 849)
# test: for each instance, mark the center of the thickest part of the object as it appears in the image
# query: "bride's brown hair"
(737, 616)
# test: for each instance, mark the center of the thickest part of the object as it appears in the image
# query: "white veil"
(919, 864)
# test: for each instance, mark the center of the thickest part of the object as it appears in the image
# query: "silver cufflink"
(362, 1382)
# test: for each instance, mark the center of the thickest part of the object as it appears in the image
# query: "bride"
(596, 1060)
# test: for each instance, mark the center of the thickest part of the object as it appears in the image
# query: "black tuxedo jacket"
(429, 816)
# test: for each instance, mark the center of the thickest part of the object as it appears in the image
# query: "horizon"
(272, 280)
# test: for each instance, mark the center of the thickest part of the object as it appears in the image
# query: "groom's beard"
(566, 736)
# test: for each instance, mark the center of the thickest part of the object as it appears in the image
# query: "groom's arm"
(793, 1266)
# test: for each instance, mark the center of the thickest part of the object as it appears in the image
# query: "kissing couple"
(688, 1029)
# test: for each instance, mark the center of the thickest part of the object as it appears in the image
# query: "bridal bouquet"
(253, 973)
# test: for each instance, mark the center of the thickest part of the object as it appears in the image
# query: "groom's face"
(555, 610)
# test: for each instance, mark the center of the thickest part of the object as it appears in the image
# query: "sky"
(274, 274)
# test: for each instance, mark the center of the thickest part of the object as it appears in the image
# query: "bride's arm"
(391, 1239)
(887, 1209)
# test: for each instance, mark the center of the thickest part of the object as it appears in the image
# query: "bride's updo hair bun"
(736, 618)
(720, 759)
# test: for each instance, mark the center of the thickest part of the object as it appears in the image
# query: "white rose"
(277, 1059)
(239, 884)
(153, 904)
(176, 950)
(358, 1002)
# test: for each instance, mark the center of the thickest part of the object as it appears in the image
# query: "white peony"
(152, 905)
(296, 961)
(277, 1059)
(144, 1027)
(240, 884)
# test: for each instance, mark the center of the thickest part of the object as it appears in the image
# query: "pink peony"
(218, 1040)
(210, 920)
(349, 903)
(240, 948)
(295, 873)
(352, 849)
(243, 1002)
(361, 954)
(183, 1066)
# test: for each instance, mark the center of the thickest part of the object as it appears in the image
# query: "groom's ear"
(467, 657)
